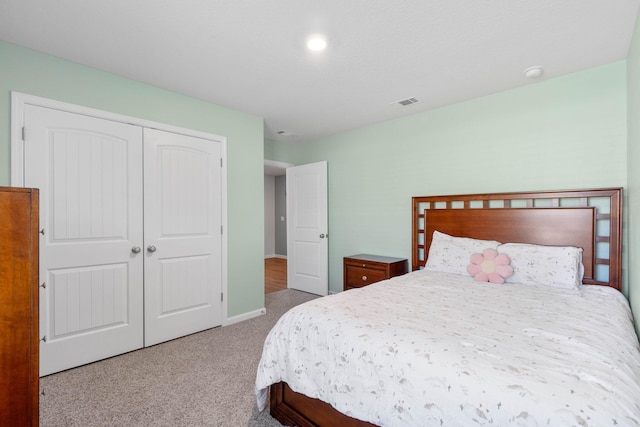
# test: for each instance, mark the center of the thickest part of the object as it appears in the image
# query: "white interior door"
(307, 228)
(89, 174)
(183, 268)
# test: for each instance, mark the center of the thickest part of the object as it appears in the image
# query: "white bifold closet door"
(130, 252)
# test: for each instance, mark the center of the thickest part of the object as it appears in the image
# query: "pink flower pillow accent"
(489, 266)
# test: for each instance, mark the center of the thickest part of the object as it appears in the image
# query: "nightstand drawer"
(361, 276)
(362, 270)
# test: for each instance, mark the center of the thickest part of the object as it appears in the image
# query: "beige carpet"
(205, 379)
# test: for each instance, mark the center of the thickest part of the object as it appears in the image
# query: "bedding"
(544, 265)
(450, 254)
(434, 348)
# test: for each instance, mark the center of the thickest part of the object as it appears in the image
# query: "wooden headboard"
(590, 219)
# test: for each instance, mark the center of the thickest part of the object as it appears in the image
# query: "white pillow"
(450, 254)
(559, 266)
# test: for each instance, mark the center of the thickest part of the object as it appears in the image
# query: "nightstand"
(364, 269)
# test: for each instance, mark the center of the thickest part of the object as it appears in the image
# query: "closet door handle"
(151, 248)
(136, 249)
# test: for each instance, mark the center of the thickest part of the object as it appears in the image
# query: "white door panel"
(88, 298)
(307, 228)
(100, 296)
(90, 180)
(183, 274)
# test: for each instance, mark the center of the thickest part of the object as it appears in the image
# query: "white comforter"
(440, 349)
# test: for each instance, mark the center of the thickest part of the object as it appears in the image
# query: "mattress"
(432, 348)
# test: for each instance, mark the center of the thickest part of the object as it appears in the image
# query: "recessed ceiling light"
(317, 43)
(533, 72)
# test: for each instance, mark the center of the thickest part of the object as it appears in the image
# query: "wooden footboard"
(295, 409)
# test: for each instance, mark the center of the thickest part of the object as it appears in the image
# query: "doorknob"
(151, 248)
(136, 249)
(322, 236)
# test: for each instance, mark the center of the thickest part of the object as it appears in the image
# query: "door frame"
(20, 100)
(275, 168)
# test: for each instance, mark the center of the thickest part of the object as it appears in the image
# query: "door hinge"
(221, 297)
(220, 161)
(221, 229)
(23, 133)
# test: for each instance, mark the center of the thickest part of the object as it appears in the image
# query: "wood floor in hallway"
(275, 274)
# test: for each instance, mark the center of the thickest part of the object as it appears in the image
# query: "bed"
(552, 346)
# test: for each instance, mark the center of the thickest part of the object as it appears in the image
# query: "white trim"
(225, 232)
(276, 164)
(20, 100)
(17, 145)
(245, 316)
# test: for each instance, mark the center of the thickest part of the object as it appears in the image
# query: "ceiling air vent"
(405, 102)
(285, 133)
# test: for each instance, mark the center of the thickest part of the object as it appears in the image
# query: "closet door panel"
(183, 271)
(131, 243)
(89, 172)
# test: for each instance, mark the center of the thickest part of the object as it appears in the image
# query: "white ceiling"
(250, 55)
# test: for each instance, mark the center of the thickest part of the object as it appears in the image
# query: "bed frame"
(590, 219)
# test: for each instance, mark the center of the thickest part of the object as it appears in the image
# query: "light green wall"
(633, 165)
(279, 151)
(33, 73)
(563, 133)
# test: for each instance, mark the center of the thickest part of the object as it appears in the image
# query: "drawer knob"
(364, 278)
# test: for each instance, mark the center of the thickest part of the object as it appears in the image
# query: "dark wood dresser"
(364, 269)
(19, 350)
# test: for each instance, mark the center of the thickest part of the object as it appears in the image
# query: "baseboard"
(245, 316)
(275, 256)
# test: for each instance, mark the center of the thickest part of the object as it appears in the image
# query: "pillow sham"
(450, 254)
(559, 266)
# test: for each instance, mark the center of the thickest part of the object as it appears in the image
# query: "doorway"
(275, 237)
